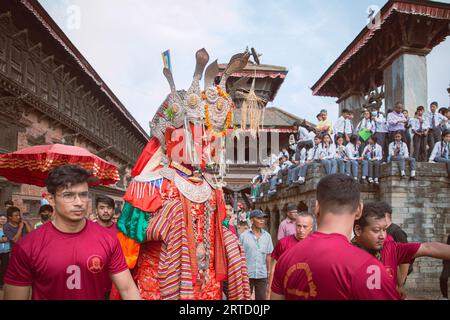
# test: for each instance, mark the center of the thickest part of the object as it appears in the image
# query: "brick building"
(50, 94)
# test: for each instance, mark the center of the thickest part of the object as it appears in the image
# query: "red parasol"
(31, 165)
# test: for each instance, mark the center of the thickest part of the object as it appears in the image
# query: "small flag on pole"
(166, 60)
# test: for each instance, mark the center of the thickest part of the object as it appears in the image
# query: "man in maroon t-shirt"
(325, 265)
(70, 257)
(304, 224)
(104, 207)
(371, 235)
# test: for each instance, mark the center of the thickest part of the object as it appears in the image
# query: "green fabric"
(365, 134)
(133, 222)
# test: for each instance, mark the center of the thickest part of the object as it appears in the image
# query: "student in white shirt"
(441, 151)
(314, 152)
(435, 119)
(372, 155)
(381, 129)
(341, 155)
(366, 123)
(339, 126)
(398, 151)
(327, 155)
(298, 173)
(303, 133)
(420, 127)
(354, 156)
(273, 178)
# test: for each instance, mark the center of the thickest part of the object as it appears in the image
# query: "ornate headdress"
(210, 110)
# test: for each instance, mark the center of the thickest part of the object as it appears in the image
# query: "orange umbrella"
(32, 165)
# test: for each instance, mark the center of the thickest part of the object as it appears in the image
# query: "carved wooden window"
(16, 64)
(76, 110)
(54, 92)
(3, 50)
(68, 103)
(31, 76)
(83, 113)
(44, 84)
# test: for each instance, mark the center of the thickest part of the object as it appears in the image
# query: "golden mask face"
(193, 101)
(220, 104)
(175, 108)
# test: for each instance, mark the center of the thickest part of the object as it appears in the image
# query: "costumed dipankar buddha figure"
(171, 228)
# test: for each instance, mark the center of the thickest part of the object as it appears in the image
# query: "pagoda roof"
(370, 37)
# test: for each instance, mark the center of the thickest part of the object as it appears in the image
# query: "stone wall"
(421, 208)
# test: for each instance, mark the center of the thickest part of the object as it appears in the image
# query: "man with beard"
(304, 225)
(46, 212)
(371, 236)
(104, 207)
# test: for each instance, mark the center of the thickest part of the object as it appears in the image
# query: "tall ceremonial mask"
(171, 227)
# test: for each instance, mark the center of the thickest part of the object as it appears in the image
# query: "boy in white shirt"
(398, 151)
(372, 155)
(441, 151)
(297, 175)
(354, 156)
(435, 119)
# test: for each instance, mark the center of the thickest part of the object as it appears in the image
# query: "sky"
(123, 41)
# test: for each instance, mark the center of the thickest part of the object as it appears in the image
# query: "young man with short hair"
(70, 257)
(46, 212)
(304, 226)
(16, 227)
(104, 207)
(434, 119)
(325, 265)
(257, 244)
(371, 235)
(341, 125)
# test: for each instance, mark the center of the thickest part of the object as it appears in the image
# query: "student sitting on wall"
(441, 151)
(372, 155)
(327, 155)
(398, 151)
(354, 156)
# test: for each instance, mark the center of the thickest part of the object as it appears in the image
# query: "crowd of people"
(346, 249)
(354, 252)
(359, 151)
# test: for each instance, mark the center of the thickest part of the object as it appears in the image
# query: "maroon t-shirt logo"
(95, 264)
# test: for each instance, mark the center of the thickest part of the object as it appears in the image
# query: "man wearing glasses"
(71, 257)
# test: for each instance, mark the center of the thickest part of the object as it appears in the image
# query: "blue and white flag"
(166, 60)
